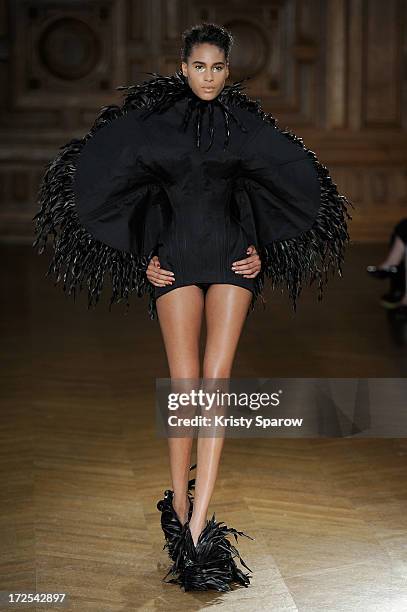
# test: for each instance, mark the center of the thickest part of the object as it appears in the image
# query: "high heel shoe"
(170, 523)
(211, 564)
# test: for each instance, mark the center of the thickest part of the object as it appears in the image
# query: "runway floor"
(82, 468)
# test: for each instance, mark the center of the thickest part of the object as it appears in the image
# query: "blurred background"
(81, 467)
(333, 71)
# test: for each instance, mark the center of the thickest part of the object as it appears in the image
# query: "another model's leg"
(393, 267)
(403, 301)
(225, 311)
(396, 254)
(400, 236)
(180, 316)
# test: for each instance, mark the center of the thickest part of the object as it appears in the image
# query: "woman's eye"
(218, 68)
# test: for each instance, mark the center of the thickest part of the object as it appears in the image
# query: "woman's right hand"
(157, 276)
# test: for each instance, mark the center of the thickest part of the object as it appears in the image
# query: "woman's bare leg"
(180, 316)
(225, 311)
(396, 254)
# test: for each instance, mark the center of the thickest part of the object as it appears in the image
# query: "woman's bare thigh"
(180, 313)
(226, 309)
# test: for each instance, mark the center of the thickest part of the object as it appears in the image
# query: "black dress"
(194, 182)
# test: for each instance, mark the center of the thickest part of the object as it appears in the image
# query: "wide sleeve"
(102, 208)
(292, 210)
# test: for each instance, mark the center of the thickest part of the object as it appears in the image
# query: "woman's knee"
(216, 371)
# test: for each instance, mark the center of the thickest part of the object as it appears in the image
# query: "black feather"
(79, 259)
(310, 256)
(211, 563)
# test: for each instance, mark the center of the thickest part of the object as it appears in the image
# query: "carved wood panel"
(332, 71)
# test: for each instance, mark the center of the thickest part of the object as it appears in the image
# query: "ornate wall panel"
(333, 71)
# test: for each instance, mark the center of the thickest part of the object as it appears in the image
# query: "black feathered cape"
(109, 199)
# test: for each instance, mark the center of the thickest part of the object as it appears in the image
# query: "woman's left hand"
(250, 266)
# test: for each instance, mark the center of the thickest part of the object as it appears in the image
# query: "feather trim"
(170, 522)
(80, 259)
(310, 256)
(211, 564)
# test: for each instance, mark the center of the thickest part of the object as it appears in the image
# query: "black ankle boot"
(211, 564)
(170, 523)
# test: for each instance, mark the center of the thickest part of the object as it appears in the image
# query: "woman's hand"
(250, 266)
(157, 276)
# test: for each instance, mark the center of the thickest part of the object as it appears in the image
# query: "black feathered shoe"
(170, 523)
(211, 564)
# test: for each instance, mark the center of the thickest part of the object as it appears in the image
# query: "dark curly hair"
(206, 33)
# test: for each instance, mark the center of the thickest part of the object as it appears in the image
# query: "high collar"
(163, 91)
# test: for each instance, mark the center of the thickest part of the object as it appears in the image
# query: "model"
(393, 267)
(191, 194)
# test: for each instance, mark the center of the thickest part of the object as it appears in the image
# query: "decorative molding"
(330, 71)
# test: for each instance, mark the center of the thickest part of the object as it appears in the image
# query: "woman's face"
(206, 70)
